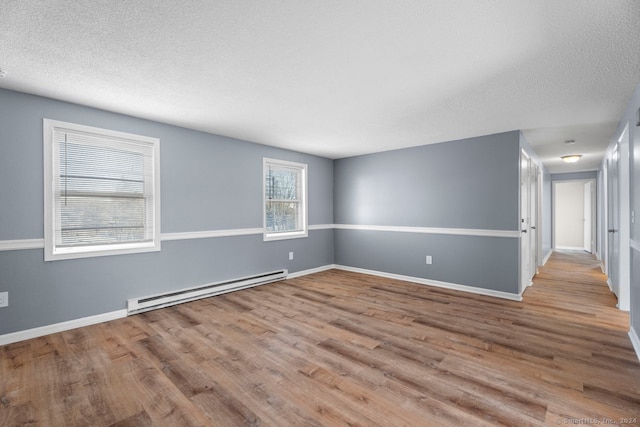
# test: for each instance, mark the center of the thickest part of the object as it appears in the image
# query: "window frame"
(51, 251)
(303, 188)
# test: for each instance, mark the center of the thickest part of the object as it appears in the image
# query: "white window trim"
(51, 253)
(268, 237)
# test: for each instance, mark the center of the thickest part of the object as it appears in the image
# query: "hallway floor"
(571, 301)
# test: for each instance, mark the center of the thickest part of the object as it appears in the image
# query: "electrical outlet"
(290, 256)
(4, 299)
(429, 259)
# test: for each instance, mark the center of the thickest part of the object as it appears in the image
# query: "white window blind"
(104, 192)
(285, 207)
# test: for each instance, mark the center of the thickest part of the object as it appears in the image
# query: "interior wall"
(470, 184)
(569, 215)
(631, 116)
(208, 182)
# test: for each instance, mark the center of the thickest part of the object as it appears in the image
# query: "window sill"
(96, 251)
(269, 237)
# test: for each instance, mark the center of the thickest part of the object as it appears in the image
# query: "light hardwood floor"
(340, 348)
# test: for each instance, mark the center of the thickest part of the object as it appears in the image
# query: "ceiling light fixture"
(571, 158)
(570, 141)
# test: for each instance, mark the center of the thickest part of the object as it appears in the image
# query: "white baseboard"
(609, 285)
(569, 248)
(436, 283)
(60, 327)
(310, 271)
(635, 341)
(547, 256)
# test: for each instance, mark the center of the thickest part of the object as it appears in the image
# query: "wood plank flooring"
(340, 348)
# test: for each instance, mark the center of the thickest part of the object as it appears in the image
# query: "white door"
(613, 220)
(533, 219)
(525, 245)
(624, 223)
(588, 193)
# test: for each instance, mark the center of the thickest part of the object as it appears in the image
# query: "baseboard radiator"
(153, 302)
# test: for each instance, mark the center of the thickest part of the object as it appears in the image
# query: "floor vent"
(140, 305)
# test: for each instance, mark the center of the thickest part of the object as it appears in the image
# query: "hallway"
(571, 302)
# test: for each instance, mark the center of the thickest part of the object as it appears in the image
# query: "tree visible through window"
(285, 199)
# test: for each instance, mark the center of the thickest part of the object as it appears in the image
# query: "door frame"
(530, 219)
(594, 213)
(624, 198)
(523, 221)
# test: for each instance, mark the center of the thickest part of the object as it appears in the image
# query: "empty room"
(319, 213)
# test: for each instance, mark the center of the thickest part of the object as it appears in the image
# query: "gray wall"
(574, 176)
(201, 175)
(471, 183)
(631, 116)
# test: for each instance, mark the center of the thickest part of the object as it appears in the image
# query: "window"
(285, 199)
(102, 192)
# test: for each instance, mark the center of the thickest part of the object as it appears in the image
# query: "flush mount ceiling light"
(571, 158)
(570, 141)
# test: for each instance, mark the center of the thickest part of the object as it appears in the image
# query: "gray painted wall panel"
(208, 182)
(470, 183)
(483, 262)
(574, 176)
(631, 116)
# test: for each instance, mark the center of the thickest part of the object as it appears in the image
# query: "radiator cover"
(153, 302)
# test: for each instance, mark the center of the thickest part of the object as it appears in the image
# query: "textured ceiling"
(339, 78)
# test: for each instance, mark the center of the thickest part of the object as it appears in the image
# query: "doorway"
(529, 218)
(574, 214)
(618, 221)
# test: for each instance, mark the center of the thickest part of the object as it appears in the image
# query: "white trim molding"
(432, 230)
(634, 245)
(61, 327)
(311, 271)
(436, 283)
(547, 256)
(569, 248)
(189, 235)
(22, 244)
(321, 227)
(635, 341)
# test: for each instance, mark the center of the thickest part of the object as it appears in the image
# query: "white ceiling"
(339, 78)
